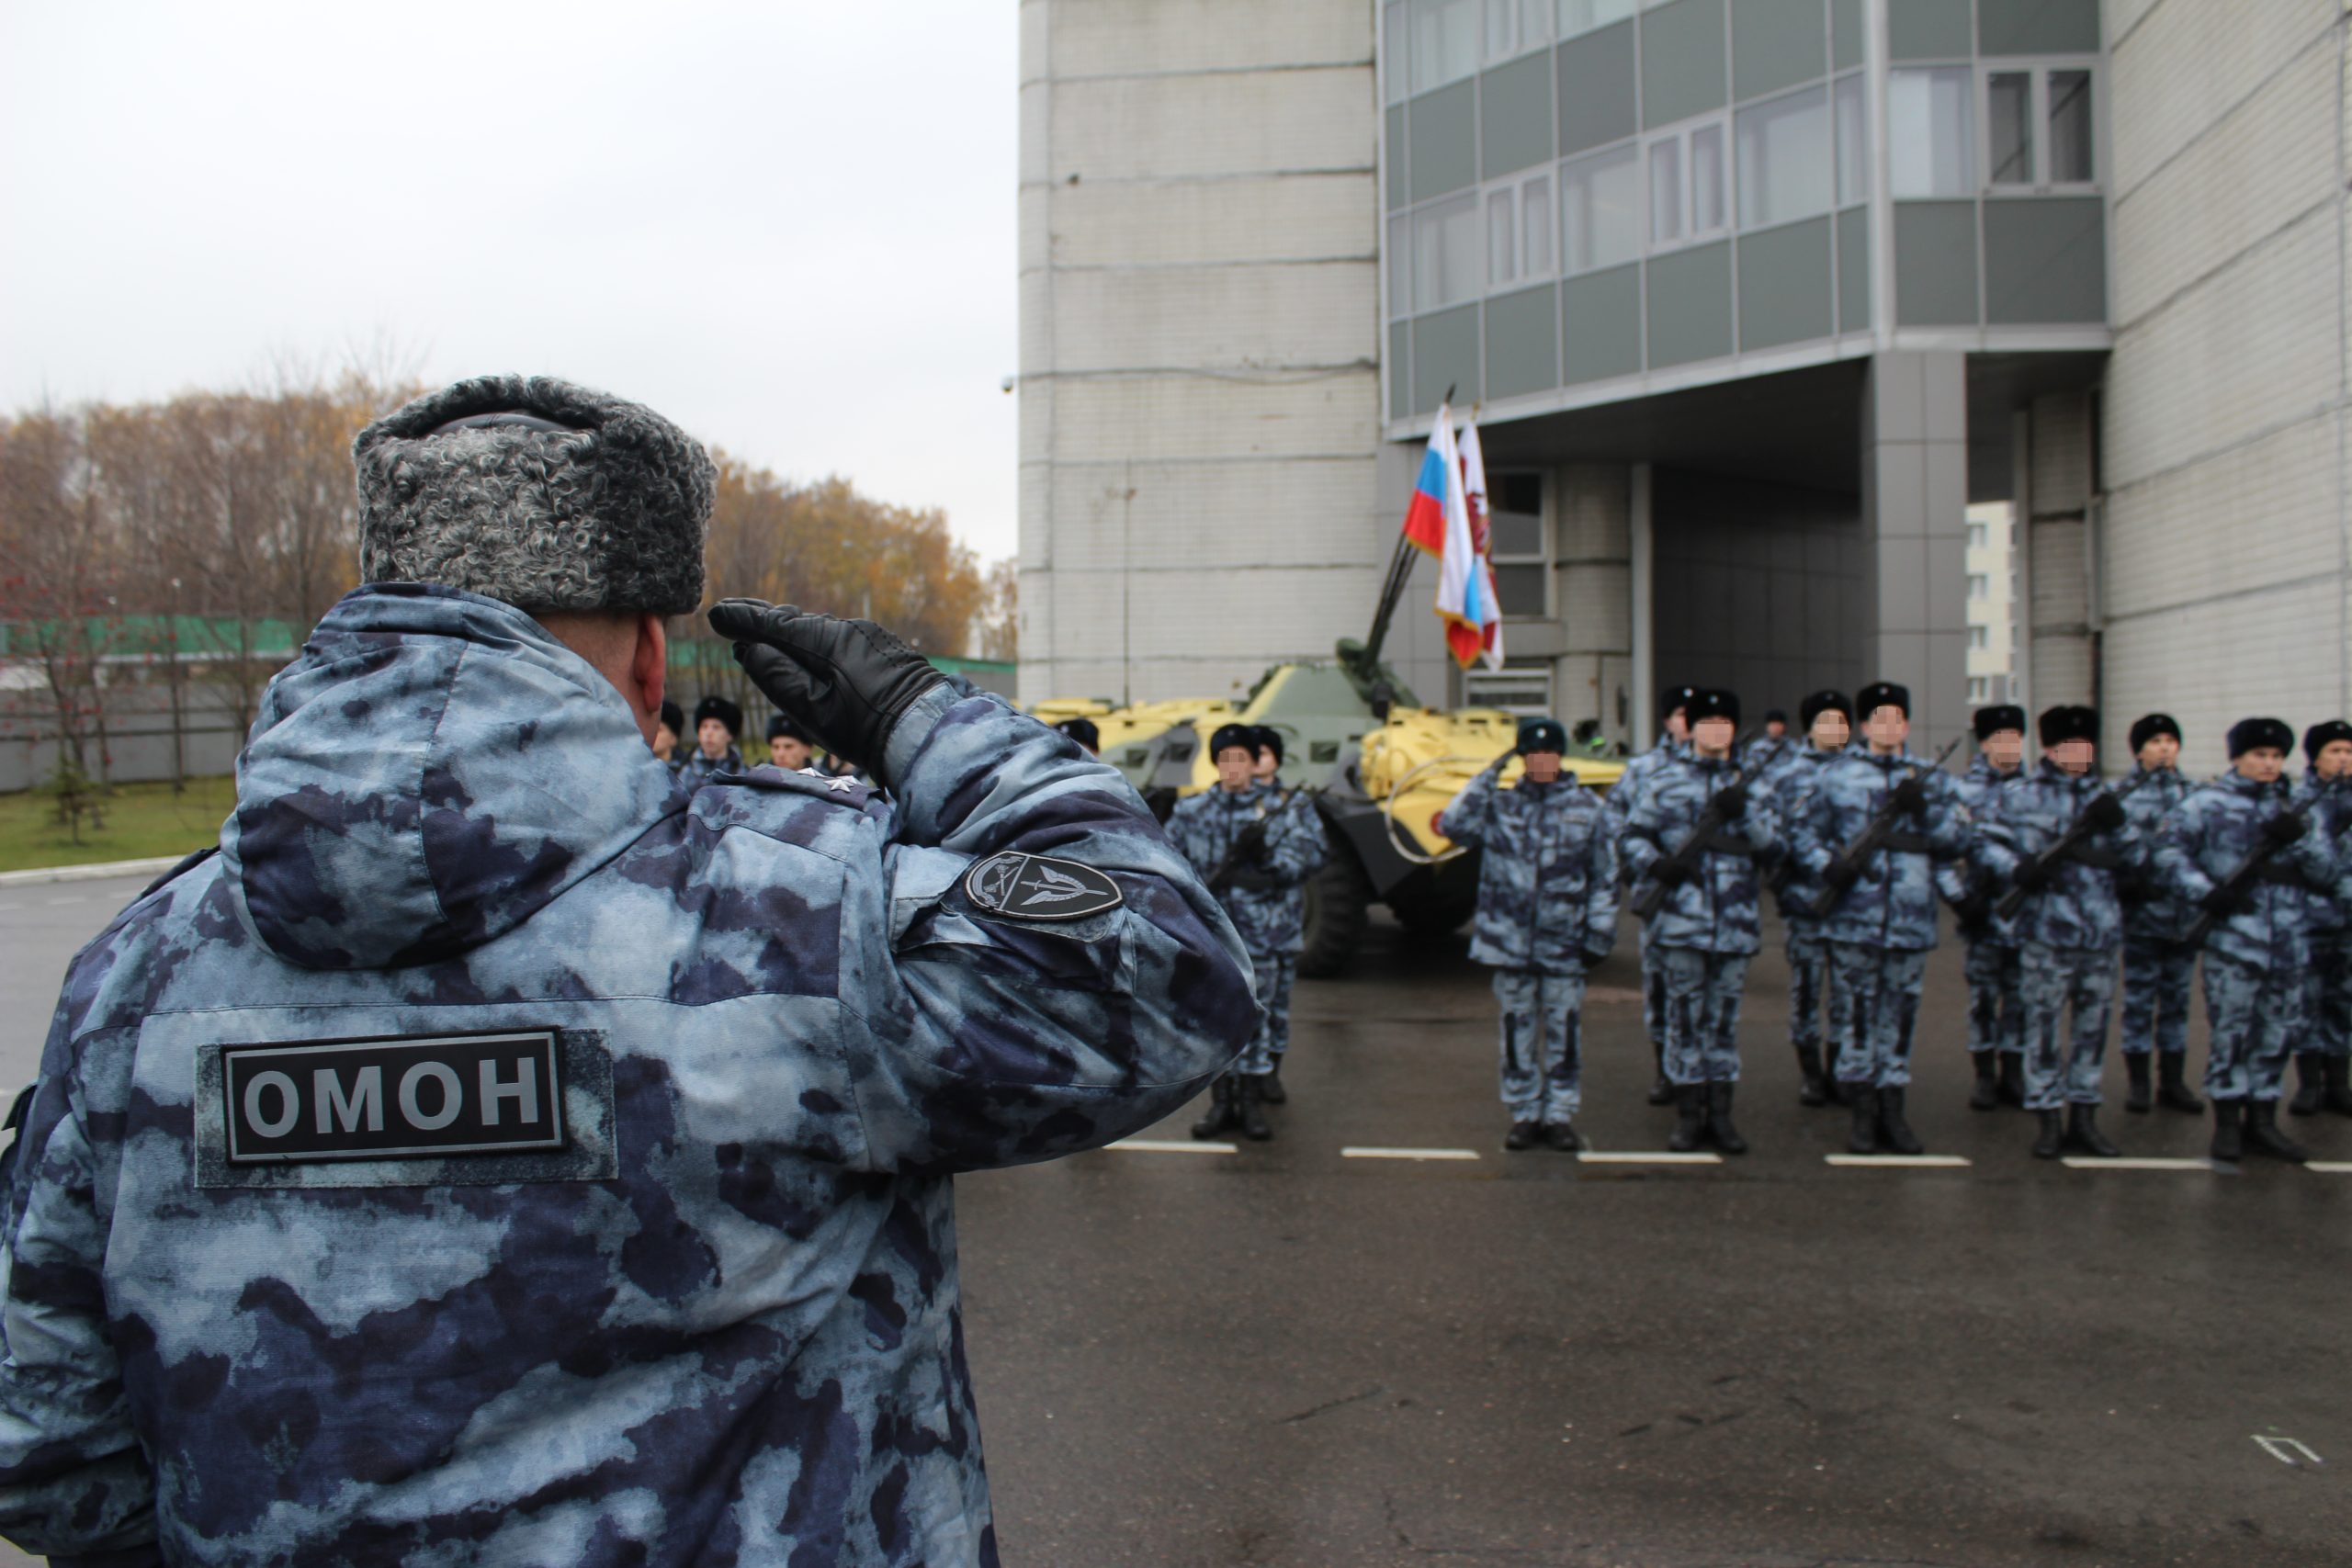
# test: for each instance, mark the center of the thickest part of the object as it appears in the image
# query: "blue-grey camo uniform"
(695, 770)
(2159, 967)
(1263, 893)
(1710, 926)
(2255, 955)
(1624, 796)
(2327, 982)
(2068, 931)
(1788, 782)
(1881, 932)
(1547, 907)
(714, 1317)
(1995, 964)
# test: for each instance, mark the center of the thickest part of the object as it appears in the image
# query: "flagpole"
(1400, 568)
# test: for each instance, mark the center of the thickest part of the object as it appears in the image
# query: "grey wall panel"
(1853, 269)
(1445, 141)
(1935, 263)
(1400, 369)
(1683, 61)
(1775, 44)
(1689, 305)
(1845, 33)
(1600, 325)
(1784, 284)
(1396, 150)
(1523, 338)
(1596, 88)
(1928, 29)
(1515, 116)
(1445, 354)
(1758, 587)
(2045, 259)
(2037, 26)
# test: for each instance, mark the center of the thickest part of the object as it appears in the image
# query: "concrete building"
(1755, 298)
(1993, 634)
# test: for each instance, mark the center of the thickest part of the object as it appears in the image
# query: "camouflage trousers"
(1653, 991)
(1809, 985)
(2327, 994)
(1882, 987)
(1996, 997)
(1542, 1044)
(2157, 976)
(1276, 974)
(1703, 992)
(2056, 979)
(2254, 1015)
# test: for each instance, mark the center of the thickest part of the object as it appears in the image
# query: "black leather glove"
(850, 681)
(1586, 959)
(2105, 812)
(2284, 829)
(2223, 900)
(1841, 876)
(1972, 911)
(1250, 844)
(1673, 873)
(2033, 872)
(1733, 800)
(1911, 797)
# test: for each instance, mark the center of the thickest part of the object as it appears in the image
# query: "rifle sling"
(1255, 881)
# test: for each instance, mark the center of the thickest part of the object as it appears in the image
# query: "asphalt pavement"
(1429, 1351)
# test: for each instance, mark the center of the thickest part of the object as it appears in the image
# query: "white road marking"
(1899, 1162)
(1354, 1152)
(2279, 1448)
(1646, 1157)
(2331, 1166)
(1174, 1147)
(2091, 1162)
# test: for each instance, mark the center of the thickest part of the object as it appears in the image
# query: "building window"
(2038, 129)
(1977, 536)
(1516, 25)
(2008, 128)
(1931, 133)
(1446, 254)
(1851, 107)
(1980, 637)
(1979, 585)
(2069, 97)
(1444, 41)
(1980, 689)
(1584, 16)
(1395, 53)
(1601, 211)
(1522, 686)
(1688, 194)
(1516, 544)
(1518, 232)
(1784, 160)
(1400, 267)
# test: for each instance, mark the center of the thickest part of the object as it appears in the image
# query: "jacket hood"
(431, 771)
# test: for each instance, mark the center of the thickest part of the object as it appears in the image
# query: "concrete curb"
(93, 873)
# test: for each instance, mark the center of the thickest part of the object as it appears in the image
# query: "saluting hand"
(850, 681)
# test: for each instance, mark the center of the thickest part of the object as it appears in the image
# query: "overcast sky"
(788, 226)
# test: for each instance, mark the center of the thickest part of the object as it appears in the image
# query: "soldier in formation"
(1548, 913)
(718, 721)
(1308, 832)
(2159, 964)
(1828, 720)
(789, 743)
(2321, 1065)
(1995, 966)
(1673, 736)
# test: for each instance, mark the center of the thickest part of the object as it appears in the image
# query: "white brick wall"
(2189, 62)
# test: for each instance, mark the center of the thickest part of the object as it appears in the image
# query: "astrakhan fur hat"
(532, 491)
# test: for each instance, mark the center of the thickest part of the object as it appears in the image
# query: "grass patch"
(143, 821)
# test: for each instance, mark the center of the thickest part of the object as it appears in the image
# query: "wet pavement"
(1292, 1355)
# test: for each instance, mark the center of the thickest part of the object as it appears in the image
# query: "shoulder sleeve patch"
(1024, 886)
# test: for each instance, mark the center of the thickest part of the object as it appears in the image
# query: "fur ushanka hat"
(532, 491)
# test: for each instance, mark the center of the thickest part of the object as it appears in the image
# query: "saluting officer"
(2159, 964)
(2238, 850)
(1253, 852)
(1883, 925)
(494, 1154)
(1828, 720)
(1710, 924)
(1995, 966)
(2072, 922)
(2327, 984)
(1674, 737)
(1548, 913)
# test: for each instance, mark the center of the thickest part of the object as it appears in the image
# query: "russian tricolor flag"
(1447, 519)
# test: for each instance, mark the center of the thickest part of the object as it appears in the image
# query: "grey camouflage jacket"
(1893, 904)
(1719, 909)
(2212, 835)
(2078, 907)
(1789, 781)
(1957, 878)
(2148, 911)
(1547, 871)
(1262, 895)
(2331, 815)
(711, 1318)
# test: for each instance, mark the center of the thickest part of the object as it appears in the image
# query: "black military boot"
(2051, 1141)
(1814, 1089)
(2311, 1080)
(1219, 1115)
(1270, 1087)
(2229, 1134)
(1861, 1138)
(1719, 1124)
(1891, 1128)
(2172, 1084)
(1522, 1136)
(1562, 1135)
(1690, 1117)
(2012, 1085)
(1840, 1093)
(2338, 1097)
(1246, 1112)
(2138, 1101)
(2082, 1132)
(1986, 1095)
(1661, 1087)
(2263, 1136)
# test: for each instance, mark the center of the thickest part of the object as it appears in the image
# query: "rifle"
(1247, 842)
(1685, 858)
(2076, 831)
(1847, 868)
(2234, 887)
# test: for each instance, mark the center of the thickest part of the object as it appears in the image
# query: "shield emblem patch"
(1039, 888)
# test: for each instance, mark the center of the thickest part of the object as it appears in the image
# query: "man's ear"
(648, 672)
